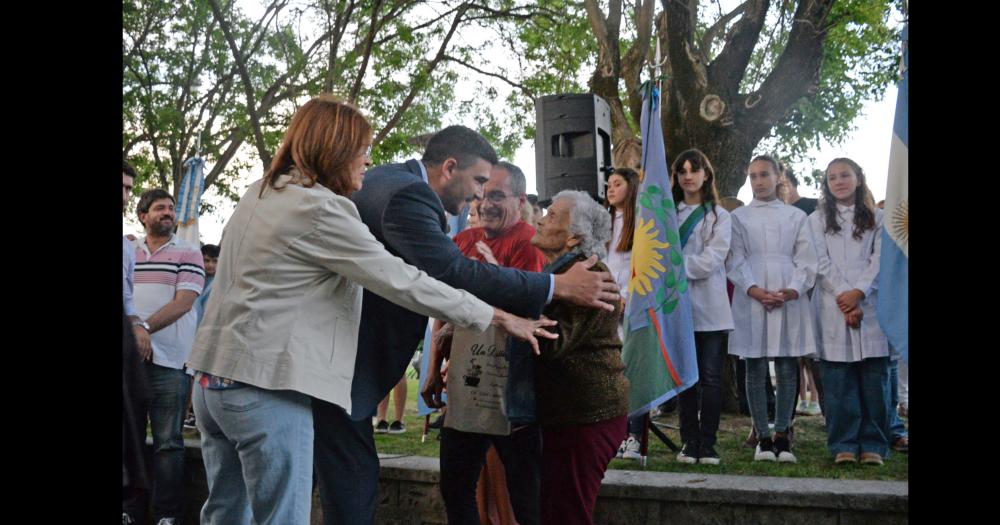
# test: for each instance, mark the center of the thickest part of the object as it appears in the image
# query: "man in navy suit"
(404, 207)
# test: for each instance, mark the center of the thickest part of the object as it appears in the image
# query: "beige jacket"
(286, 304)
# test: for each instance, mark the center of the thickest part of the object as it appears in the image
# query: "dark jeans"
(169, 389)
(462, 458)
(346, 465)
(897, 429)
(701, 405)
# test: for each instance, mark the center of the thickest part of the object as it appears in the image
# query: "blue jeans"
(258, 450)
(896, 427)
(701, 404)
(169, 388)
(857, 402)
(787, 371)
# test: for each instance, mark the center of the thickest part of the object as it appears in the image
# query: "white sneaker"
(631, 449)
(167, 521)
(688, 454)
(621, 449)
(765, 453)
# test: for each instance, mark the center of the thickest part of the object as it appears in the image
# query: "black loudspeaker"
(572, 144)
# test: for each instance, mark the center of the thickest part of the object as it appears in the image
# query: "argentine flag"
(893, 294)
(189, 201)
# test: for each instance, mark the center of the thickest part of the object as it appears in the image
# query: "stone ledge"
(881, 496)
(408, 495)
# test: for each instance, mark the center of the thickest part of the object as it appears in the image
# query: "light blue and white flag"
(893, 293)
(189, 201)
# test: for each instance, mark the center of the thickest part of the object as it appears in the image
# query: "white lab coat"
(705, 264)
(619, 263)
(846, 263)
(772, 248)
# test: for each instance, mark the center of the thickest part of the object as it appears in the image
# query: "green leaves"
(676, 258)
(646, 201)
(670, 306)
(672, 237)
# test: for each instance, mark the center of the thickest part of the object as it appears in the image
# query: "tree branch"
(265, 156)
(726, 71)
(369, 43)
(636, 56)
(796, 72)
(420, 79)
(524, 89)
(713, 32)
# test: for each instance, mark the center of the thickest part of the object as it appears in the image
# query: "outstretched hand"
(581, 286)
(524, 329)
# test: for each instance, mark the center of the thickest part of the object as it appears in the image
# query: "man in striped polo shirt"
(169, 275)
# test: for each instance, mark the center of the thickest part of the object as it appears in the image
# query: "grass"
(810, 448)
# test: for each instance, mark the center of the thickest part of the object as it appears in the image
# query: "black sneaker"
(397, 427)
(707, 455)
(190, 423)
(382, 427)
(688, 454)
(764, 450)
(783, 450)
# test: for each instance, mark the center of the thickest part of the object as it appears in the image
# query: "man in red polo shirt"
(502, 230)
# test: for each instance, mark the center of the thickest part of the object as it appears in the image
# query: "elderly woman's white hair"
(589, 222)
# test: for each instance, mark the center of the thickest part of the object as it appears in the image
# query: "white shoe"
(688, 454)
(765, 454)
(621, 449)
(631, 449)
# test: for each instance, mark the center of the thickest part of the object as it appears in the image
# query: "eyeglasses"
(496, 197)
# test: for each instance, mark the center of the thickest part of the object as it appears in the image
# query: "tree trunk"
(702, 106)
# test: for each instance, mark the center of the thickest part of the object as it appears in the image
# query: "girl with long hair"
(772, 264)
(705, 231)
(620, 201)
(853, 351)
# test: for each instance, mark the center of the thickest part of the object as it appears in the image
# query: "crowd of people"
(285, 340)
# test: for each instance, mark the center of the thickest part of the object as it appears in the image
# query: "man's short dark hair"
(463, 144)
(518, 184)
(790, 175)
(210, 250)
(128, 169)
(533, 199)
(149, 197)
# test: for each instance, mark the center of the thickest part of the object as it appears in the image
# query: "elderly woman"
(581, 390)
(281, 327)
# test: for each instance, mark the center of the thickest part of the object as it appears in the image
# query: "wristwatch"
(143, 324)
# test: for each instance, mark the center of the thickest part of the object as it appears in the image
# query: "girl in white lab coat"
(622, 193)
(853, 351)
(705, 233)
(772, 264)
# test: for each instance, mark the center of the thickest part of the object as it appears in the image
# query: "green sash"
(688, 227)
